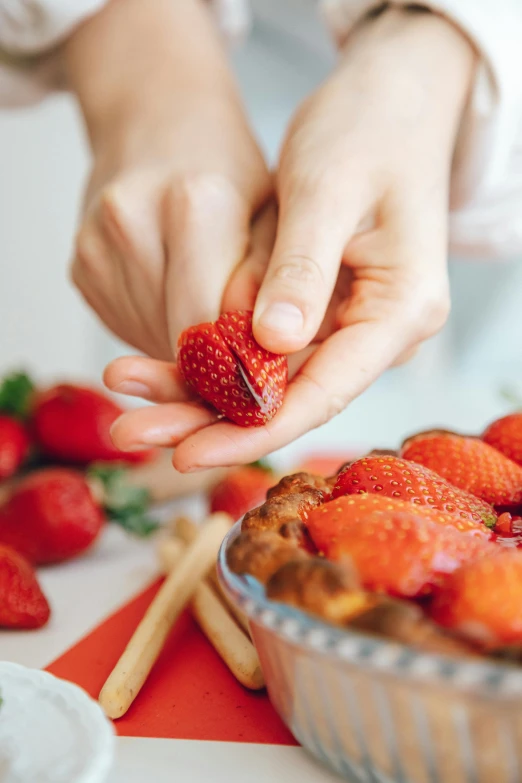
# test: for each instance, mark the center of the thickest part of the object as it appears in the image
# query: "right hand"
(177, 175)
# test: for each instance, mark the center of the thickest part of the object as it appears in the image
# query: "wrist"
(145, 60)
(420, 59)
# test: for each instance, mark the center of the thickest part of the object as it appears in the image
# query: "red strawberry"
(51, 516)
(14, 446)
(72, 424)
(393, 477)
(54, 514)
(469, 464)
(505, 435)
(483, 599)
(397, 548)
(22, 603)
(224, 364)
(241, 490)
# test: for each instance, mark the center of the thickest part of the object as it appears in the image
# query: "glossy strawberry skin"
(397, 548)
(241, 491)
(505, 435)
(393, 477)
(51, 516)
(22, 603)
(225, 366)
(483, 600)
(72, 424)
(469, 464)
(14, 446)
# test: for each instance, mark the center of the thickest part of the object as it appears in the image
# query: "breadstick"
(170, 551)
(186, 530)
(131, 671)
(237, 652)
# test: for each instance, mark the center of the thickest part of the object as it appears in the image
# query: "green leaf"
(262, 464)
(125, 504)
(16, 392)
(511, 396)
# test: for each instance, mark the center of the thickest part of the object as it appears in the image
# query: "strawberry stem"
(261, 464)
(16, 391)
(124, 503)
(511, 396)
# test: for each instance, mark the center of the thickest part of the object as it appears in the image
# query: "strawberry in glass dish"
(482, 600)
(226, 367)
(470, 464)
(505, 435)
(396, 548)
(394, 477)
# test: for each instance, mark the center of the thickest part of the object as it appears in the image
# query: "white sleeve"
(31, 29)
(486, 188)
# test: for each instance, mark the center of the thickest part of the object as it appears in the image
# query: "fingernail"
(157, 437)
(282, 317)
(138, 447)
(133, 389)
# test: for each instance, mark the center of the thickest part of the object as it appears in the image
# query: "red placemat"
(190, 694)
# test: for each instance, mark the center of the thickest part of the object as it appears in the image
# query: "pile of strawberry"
(438, 523)
(61, 479)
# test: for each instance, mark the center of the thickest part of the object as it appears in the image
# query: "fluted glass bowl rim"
(483, 677)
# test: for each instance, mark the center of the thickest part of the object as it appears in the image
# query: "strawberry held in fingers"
(223, 364)
(14, 446)
(505, 435)
(396, 548)
(469, 464)
(393, 477)
(483, 600)
(22, 603)
(72, 424)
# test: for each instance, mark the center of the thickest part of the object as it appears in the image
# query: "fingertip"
(125, 367)
(280, 327)
(119, 434)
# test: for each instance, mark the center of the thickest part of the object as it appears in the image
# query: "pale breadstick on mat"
(231, 644)
(186, 530)
(131, 671)
(236, 650)
(170, 551)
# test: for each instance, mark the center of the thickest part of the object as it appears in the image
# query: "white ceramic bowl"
(51, 731)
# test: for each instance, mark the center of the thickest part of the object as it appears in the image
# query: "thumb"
(303, 269)
(207, 232)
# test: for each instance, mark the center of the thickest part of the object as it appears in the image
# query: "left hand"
(358, 274)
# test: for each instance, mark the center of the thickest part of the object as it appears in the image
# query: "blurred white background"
(45, 326)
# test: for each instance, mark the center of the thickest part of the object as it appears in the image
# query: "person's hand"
(357, 277)
(177, 174)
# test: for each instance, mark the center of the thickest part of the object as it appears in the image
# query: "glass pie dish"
(377, 711)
